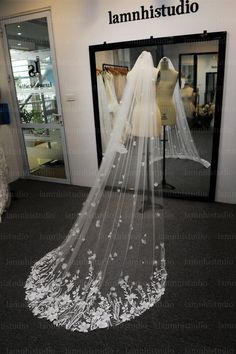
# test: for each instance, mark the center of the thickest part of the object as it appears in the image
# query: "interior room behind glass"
(196, 63)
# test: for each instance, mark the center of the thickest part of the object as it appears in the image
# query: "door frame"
(21, 18)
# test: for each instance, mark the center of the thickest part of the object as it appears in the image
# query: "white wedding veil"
(105, 114)
(111, 266)
(179, 141)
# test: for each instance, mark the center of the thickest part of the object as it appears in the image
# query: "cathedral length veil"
(179, 141)
(111, 266)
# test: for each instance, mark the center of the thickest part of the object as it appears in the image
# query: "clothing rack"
(124, 69)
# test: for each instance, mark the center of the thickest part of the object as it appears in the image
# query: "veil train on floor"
(111, 266)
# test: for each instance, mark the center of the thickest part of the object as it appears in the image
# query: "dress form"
(143, 126)
(166, 82)
(188, 97)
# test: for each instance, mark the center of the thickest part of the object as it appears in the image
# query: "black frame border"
(198, 37)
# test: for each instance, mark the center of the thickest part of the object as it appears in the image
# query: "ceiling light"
(18, 43)
(19, 33)
(18, 26)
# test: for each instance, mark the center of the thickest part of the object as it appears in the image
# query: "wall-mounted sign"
(145, 13)
(34, 69)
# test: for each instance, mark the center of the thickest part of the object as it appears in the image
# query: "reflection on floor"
(45, 153)
(187, 176)
(52, 169)
(195, 315)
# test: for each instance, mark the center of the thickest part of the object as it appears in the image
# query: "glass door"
(29, 44)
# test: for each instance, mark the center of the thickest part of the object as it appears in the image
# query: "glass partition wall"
(29, 44)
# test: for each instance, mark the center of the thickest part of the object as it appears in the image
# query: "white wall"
(104, 57)
(78, 24)
(8, 133)
(206, 64)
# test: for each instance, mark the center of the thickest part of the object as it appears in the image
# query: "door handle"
(59, 118)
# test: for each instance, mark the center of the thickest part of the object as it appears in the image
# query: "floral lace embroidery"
(87, 309)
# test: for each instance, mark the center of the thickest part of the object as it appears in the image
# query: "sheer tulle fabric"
(104, 113)
(113, 104)
(179, 141)
(111, 266)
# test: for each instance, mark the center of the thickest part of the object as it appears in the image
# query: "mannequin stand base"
(148, 205)
(165, 185)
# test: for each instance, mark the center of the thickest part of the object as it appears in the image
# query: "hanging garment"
(111, 266)
(113, 104)
(104, 114)
(119, 74)
(119, 83)
(179, 143)
(4, 190)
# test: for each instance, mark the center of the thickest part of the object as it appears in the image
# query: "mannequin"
(188, 96)
(139, 126)
(179, 142)
(166, 82)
